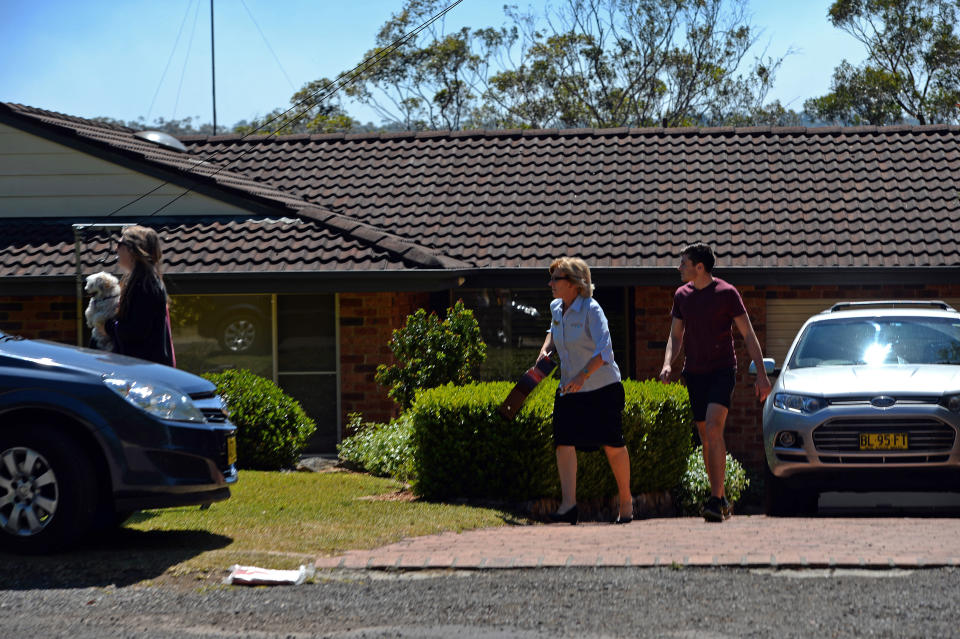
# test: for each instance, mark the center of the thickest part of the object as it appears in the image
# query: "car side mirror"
(769, 365)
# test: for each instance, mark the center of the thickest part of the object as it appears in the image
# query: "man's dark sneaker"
(712, 510)
(726, 508)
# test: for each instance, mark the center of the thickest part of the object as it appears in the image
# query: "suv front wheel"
(47, 489)
(788, 498)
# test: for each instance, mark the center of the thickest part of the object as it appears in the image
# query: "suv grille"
(901, 401)
(924, 435)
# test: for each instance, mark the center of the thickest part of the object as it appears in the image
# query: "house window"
(215, 332)
(514, 323)
(307, 361)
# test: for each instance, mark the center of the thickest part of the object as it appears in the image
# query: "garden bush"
(694, 487)
(429, 353)
(465, 448)
(385, 450)
(272, 428)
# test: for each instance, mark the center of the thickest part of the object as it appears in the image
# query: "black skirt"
(589, 420)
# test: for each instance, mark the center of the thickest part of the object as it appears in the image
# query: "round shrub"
(272, 428)
(385, 450)
(695, 485)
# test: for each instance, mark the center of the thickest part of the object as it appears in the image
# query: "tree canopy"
(585, 63)
(912, 68)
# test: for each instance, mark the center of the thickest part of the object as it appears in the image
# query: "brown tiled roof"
(298, 236)
(783, 198)
(763, 197)
(204, 246)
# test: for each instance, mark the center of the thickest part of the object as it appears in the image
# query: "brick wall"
(52, 318)
(743, 431)
(366, 323)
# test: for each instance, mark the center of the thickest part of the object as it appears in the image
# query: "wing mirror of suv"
(769, 365)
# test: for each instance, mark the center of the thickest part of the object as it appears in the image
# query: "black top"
(143, 331)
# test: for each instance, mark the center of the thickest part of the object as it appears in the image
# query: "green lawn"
(280, 520)
(272, 520)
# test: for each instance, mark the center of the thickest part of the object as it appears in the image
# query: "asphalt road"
(529, 604)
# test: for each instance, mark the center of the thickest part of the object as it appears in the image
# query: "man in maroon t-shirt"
(704, 310)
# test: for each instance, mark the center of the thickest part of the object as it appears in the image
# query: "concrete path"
(877, 542)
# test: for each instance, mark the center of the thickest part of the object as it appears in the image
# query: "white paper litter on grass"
(254, 576)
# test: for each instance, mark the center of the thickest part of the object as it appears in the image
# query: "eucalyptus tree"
(912, 69)
(582, 63)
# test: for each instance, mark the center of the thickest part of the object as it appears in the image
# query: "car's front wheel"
(47, 489)
(240, 334)
(788, 498)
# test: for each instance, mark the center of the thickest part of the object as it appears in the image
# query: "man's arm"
(674, 340)
(762, 385)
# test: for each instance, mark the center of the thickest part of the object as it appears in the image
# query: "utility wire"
(266, 42)
(170, 59)
(328, 90)
(186, 59)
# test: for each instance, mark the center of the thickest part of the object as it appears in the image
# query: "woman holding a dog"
(588, 409)
(142, 326)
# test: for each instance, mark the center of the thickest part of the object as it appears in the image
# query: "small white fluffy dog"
(104, 291)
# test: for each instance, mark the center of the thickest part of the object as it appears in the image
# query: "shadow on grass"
(120, 557)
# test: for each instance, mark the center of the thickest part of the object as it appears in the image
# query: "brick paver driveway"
(741, 541)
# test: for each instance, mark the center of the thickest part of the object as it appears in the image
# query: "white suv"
(868, 400)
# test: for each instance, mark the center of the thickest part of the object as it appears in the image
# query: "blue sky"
(106, 57)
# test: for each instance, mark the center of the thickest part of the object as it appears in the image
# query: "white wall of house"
(40, 178)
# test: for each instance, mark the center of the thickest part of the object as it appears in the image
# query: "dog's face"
(101, 284)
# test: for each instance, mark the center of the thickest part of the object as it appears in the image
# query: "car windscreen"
(878, 341)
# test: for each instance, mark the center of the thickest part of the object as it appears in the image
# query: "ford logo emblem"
(883, 401)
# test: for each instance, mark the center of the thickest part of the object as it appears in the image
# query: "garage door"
(785, 317)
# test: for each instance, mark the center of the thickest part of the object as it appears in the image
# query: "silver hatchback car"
(868, 400)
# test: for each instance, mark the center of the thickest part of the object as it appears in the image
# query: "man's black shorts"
(715, 387)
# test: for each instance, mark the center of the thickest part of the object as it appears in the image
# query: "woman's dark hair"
(700, 253)
(144, 246)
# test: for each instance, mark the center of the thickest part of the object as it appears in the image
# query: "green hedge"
(464, 448)
(272, 428)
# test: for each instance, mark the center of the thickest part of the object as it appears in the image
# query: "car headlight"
(158, 400)
(952, 402)
(798, 403)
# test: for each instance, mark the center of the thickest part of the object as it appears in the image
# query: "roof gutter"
(428, 280)
(739, 276)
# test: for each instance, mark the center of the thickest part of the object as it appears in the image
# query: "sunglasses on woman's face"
(557, 278)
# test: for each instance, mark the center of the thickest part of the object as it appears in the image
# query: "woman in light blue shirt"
(588, 409)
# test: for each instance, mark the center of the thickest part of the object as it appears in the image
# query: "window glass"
(317, 393)
(215, 332)
(307, 361)
(878, 341)
(306, 332)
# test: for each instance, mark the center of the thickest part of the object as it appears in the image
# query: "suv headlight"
(951, 402)
(798, 403)
(158, 400)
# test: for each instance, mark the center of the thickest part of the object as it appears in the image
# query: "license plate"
(883, 441)
(231, 450)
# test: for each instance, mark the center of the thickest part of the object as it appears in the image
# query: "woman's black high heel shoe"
(570, 517)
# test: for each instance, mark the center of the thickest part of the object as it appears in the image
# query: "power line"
(328, 90)
(170, 59)
(186, 59)
(267, 42)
